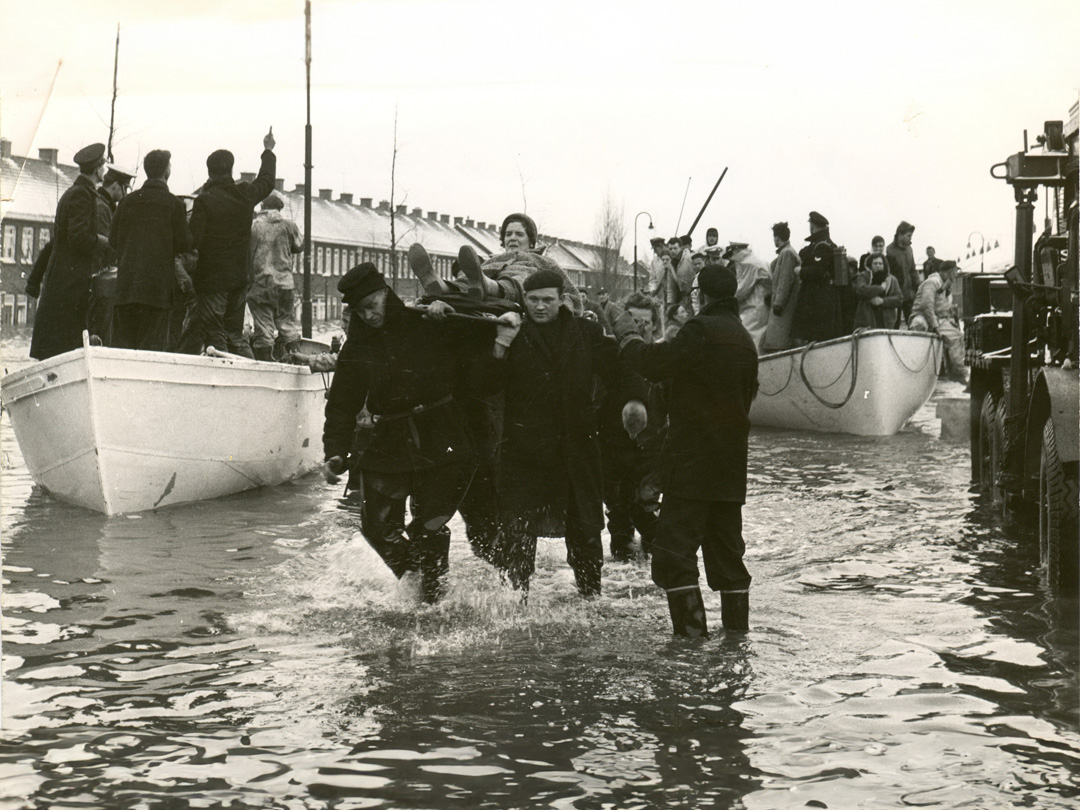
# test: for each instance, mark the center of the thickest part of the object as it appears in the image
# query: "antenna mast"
(112, 109)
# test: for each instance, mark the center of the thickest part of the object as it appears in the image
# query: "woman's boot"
(687, 612)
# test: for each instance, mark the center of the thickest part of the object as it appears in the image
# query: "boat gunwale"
(860, 334)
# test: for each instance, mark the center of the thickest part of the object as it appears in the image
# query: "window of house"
(43, 237)
(9, 243)
(27, 251)
(320, 263)
(337, 261)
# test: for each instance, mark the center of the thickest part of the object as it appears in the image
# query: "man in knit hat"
(406, 370)
(78, 251)
(711, 368)
(550, 470)
(271, 298)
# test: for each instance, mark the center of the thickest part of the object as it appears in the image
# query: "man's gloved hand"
(438, 310)
(507, 327)
(635, 418)
(323, 361)
(334, 468)
(183, 280)
(624, 327)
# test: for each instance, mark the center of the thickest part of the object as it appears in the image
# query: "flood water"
(252, 652)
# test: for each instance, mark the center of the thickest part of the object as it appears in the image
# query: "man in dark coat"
(99, 318)
(77, 250)
(221, 232)
(148, 231)
(711, 365)
(550, 479)
(406, 370)
(817, 312)
(902, 265)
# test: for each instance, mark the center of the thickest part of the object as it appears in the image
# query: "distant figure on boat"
(932, 262)
(817, 312)
(149, 230)
(785, 290)
(221, 228)
(878, 294)
(271, 299)
(499, 276)
(932, 311)
(754, 290)
(78, 248)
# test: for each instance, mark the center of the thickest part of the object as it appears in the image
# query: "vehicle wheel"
(1001, 413)
(1059, 502)
(985, 451)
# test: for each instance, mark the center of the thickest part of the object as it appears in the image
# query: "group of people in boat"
(819, 292)
(495, 396)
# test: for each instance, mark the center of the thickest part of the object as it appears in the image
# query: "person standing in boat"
(77, 252)
(407, 370)
(879, 296)
(99, 319)
(932, 311)
(271, 298)
(817, 312)
(754, 290)
(221, 232)
(711, 368)
(148, 232)
(901, 261)
(785, 290)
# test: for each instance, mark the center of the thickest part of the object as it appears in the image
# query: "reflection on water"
(252, 652)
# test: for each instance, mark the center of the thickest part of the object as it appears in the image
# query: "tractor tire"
(986, 457)
(1059, 502)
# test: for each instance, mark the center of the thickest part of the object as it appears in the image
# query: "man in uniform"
(149, 230)
(817, 312)
(271, 298)
(407, 371)
(77, 250)
(221, 231)
(712, 368)
(99, 319)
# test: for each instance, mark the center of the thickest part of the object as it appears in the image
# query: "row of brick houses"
(344, 232)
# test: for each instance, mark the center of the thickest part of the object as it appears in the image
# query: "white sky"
(868, 112)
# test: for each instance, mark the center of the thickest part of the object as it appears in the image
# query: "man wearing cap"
(817, 312)
(550, 478)
(77, 252)
(711, 369)
(221, 233)
(271, 297)
(409, 372)
(754, 290)
(902, 265)
(148, 231)
(99, 318)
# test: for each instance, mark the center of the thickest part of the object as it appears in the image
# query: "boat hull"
(866, 384)
(125, 431)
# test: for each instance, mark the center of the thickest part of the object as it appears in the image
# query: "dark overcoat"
(76, 255)
(221, 228)
(550, 451)
(409, 375)
(817, 311)
(148, 230)
(711, 369)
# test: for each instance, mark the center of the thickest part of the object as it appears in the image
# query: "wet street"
(252, 652)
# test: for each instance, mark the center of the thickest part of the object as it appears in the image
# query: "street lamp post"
(982, 247)
(646, 213)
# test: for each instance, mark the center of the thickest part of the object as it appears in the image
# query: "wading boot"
(434, 563)
(480, 286)
(687, 612)
(420, 264)
(588, 580)
(735, 611)
(264, 353)
(622, 549)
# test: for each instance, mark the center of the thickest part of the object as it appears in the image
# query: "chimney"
(326, 194)
(493, 227)
(300, 189)
(247, 177)
(418, 213)
(444, 219)
(50, 156)
(482, 226)
(5, 148)
(279, 183)
(458, 220)
(469, 223)
(384, 206)
(365, 202)
(402, 209)
(345, 198)
(433, 216)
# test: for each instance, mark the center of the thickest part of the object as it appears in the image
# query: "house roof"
(30, 188)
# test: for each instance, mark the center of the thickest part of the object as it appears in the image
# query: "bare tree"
(609, 235)
(393, 207)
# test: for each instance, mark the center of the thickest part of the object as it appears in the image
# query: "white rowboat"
(118, 431)
(867, 384)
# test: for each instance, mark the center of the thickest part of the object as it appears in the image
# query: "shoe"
(687, 612)
(469, 263)
(420, 264)
(735, 611)
(264, 353)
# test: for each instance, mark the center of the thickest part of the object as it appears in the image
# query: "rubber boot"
(622, 548)
(735, 611)
(588, 580)
(434, 563)
(420, 264)
(480, 286)
(265, 353)
(687, 612)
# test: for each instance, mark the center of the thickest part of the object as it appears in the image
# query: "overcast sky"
(868, 112)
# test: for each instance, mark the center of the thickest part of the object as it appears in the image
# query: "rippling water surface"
(252, 652)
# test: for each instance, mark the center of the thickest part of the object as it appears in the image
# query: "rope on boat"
(787, 382)
(929, 353)
(853, 362)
